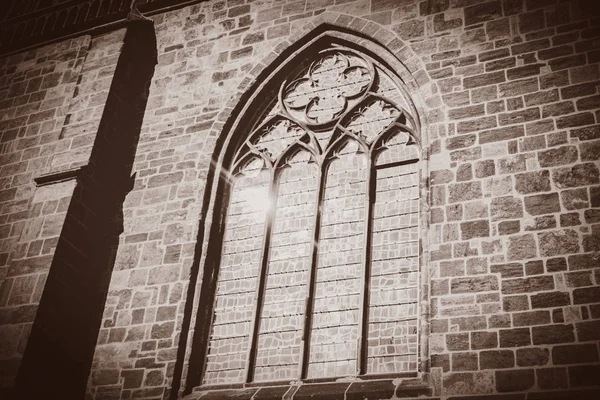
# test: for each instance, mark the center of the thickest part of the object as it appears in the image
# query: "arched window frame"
(319, 40)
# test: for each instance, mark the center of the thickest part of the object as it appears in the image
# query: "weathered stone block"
(457, 341)
(564, 241)
(468, 383)
(514, 303)
(516, 380)
(464, 362)
(533, 182)
(552, 378)
(531, 318)
(509, 227)
(578, 175)
(558, 156)
(552, 334)
(586, 295)
(574, 354)
(542, 204)
(507, 207)
(484, 340)
(521, 247)
(531, 357)
(474, 284)
(475, 229)
(551, 299)
(516, 337)
(508, 270)
(460, 192)
(496, 359)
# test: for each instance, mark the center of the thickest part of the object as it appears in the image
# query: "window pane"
(282, 322)
(394, 270)
(336, 317)
(236, 289)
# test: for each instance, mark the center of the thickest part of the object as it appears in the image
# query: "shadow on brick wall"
(57, 361)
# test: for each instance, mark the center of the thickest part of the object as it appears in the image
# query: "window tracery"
(319, 265)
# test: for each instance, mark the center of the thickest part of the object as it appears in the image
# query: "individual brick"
(574, 354)
(457, 341)
(588, 330)
(484, 340)
(540, 223)
(516, 337)
(476, 124)
(531, 357)
(475, 229)
(496, 359)
(552, 378)
(460, 142)
(557, 109)
(475, 382)
(467, 112)
(464, 362)
(558, 156)
(506, 207)
(531, 318)
(586, 295)
(508, 270)
(514, 303)
(552, 334)
(501, 134)
(578, 279)
(509, 227)
(556, 264)
(532, 182)
(514, 380)
(550, 299)
(483, 79)
(521, 247)
(558, 242)
(474, 284)
(486, 168)
(586, 133)
(575, 120)
(539, 204)
(461, 192)
(518, 88)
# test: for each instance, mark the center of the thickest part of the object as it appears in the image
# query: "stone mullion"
(363, 339)
(310, 297)
(263, 273)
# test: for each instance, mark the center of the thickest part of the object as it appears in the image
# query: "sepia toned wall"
(507, 94)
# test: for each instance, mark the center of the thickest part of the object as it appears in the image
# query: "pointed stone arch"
(327, 28)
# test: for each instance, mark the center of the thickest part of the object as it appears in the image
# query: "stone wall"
(507, 92)
(52, 100)
(37, 88)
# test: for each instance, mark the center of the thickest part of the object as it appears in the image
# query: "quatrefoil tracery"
(355, 112)
(322, 95)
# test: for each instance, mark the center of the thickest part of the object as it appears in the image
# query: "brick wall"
(53, 98)
(508, 96)
(37, 88)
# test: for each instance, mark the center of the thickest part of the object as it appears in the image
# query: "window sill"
(348, 390)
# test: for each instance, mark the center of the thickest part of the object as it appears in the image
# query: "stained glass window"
(319, 264)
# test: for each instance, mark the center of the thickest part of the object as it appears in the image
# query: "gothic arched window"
(318, 271)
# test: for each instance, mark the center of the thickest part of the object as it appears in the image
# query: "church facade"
(300, 199)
